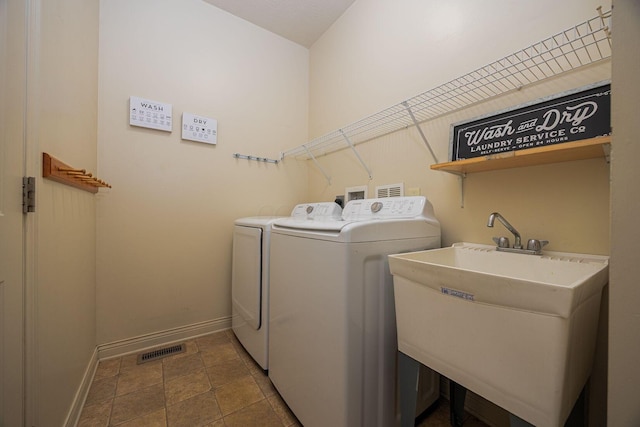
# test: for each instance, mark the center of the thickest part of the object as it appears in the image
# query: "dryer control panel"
(317, 211)
(387, 208)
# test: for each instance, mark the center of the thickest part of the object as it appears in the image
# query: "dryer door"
(246, 275)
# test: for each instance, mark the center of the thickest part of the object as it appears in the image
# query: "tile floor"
(215, 383)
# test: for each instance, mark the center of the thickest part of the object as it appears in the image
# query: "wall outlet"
(413, 191)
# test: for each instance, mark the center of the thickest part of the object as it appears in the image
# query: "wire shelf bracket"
(315, 161)
(353, 148)
(422, 135)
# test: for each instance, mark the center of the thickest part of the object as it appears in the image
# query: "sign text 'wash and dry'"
(579, 115)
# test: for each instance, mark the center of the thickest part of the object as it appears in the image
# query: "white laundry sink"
(517, 329)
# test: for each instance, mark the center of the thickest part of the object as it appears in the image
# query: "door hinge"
(28, 194)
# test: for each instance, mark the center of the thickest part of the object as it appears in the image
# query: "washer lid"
(323, 216)
(311, 225)
(257, 221)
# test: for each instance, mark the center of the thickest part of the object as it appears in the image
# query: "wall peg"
(58, 171)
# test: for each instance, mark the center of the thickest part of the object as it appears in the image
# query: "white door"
(12, 166)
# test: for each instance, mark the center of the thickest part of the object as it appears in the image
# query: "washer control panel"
(385, 208)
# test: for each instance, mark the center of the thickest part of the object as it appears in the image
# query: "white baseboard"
(83, 390)
(156, 339)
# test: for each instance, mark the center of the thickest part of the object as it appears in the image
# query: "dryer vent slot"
(160, 353)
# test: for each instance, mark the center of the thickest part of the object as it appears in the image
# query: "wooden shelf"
(563, 152)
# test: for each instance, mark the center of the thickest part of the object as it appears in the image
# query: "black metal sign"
(581, 114)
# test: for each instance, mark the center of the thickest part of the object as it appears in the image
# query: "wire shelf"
(584, 44)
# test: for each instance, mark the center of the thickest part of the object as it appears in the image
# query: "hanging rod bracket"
(353, 148)
(256, 158)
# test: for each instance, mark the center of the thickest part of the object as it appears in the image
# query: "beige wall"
(165, 229)
(375, 56)
(62, 120)
(624, 346)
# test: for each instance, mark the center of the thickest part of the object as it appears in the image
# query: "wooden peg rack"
(58, 171)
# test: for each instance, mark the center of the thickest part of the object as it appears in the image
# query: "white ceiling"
(301, 21)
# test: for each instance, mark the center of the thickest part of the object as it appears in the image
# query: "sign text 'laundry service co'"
(581, 114)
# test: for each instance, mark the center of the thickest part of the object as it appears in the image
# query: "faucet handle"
(502, 242)
(536, 245)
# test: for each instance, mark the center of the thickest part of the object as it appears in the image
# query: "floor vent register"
(160, 353)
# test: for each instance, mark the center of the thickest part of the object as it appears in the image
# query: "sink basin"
(517, 329)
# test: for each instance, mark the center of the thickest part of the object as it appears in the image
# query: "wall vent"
(391, 190)
(160, 353)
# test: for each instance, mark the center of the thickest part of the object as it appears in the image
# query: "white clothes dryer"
(333, 342)
(250, 285)
(250, 275)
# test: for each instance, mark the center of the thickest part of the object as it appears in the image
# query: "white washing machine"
(333, 342)
(250, 276)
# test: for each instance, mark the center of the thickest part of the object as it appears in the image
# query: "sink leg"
(515, 421)
(408, 369)
(457, 394)
(577, 416)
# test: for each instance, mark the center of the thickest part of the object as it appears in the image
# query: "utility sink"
(517, 329)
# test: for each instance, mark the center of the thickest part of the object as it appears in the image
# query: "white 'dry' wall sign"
(150, 114)
(199, 129)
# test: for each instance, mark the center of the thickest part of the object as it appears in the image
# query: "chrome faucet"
(534, 246)
(518, 243)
